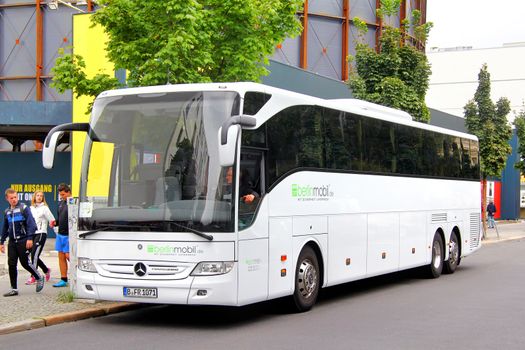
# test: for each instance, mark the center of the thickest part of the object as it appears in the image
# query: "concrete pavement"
(505, 231)
(30, 310)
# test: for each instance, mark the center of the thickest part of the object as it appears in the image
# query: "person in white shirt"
(43, 218)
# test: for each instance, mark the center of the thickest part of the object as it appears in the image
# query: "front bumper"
(214, 290)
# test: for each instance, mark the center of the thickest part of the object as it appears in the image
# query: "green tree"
(519, 124)
(69, 74)
(397, 76)
(184, 41)
(488, 121)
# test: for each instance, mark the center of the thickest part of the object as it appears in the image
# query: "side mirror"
(48, 151)
(227, 150)
(50, 143)
(228, 135)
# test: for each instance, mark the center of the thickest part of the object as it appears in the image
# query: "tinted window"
(295, 140)
(253, 102)
(316, 137)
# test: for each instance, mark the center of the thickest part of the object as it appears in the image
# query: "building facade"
(33, 32)
(454, 82)
(455, 72)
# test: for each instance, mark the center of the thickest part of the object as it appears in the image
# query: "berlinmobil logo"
(173, 250)
(311, 192)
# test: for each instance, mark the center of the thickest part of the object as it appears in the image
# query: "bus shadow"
(190, 317)
(223, 317)
(353, 289)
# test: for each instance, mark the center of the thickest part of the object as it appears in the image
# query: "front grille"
(158, 270)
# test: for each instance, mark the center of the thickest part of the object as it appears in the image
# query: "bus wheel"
(436, 262)
(453, 254)
(306, 280)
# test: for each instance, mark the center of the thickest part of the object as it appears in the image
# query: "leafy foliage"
(397, 76)
(185, 41)
(69, 73)
(388, 8)
(488, 121)
(519, 123)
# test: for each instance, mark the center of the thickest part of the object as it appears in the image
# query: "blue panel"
(18, 59)
(510, 184)
(29, 172)
(34, 113)
(364, 9)
(325, 34)
(410, 8)
(369, 38)
(305, 82)
(120, 74)
(57, 26)
(18, 90)
(447, 121)
(326, 7)
(289, 53)
(51, 94)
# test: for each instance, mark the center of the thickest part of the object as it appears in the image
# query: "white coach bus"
(235, 193)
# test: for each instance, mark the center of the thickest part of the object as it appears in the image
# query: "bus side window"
(251, 184)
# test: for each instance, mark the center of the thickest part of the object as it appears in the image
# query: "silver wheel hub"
(436, 255)
(307, 278)
(453, 252)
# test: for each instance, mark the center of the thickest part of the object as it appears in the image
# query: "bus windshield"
(151, 163)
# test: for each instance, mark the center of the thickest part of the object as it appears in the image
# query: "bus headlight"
(85, 264)
(210, 268)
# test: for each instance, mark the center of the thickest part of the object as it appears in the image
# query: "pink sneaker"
(48, 275)
(30, 280)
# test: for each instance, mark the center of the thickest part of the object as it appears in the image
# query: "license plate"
(139, 292)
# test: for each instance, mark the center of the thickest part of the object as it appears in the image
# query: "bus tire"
(453, 254)
(307, 279)
(436, 261)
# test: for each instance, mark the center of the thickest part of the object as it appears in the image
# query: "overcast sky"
(476, 23)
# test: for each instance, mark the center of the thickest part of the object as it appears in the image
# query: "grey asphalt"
(17, 312)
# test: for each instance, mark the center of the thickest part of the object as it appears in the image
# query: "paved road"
(481, 306)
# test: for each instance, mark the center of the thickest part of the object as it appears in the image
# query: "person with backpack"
(19, 227)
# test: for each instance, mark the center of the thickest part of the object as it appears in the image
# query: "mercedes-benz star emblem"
(140, 269)
(139, 246)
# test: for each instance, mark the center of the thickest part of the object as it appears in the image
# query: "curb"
(67, 317)
(496, 240)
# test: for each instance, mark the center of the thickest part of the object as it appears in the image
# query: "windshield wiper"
(88, 233)
(105, 227)
(197, 232)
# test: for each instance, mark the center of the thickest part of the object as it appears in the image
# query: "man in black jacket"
(491, 210)
(20, 227)
(62, 238)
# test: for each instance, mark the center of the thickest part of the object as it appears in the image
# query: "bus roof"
(286, 98)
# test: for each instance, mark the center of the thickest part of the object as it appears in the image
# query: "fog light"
(202, 292)
(88, 287)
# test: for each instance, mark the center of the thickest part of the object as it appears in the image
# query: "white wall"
(454, 77)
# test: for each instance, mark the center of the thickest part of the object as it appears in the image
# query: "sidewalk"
(30, 310)
(508, 230)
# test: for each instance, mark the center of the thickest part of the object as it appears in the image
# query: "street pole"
(72, 211)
